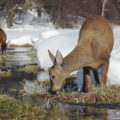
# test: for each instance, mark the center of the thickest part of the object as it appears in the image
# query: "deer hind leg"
(95, 73)
(104, 72)
(86, 79)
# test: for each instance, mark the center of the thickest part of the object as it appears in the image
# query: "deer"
(3, 38)
(92, 51)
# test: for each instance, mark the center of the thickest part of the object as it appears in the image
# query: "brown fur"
(93, 50)
(3, 38)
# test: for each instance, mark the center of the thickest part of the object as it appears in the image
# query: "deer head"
(56, 72)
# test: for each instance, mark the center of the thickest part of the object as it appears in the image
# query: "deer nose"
(52, 92)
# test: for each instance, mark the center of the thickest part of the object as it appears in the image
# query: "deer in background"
(3, 38)
(92, 51)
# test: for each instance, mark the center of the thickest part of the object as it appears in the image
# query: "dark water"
(62, 111)
(66, 111)
(16, 57)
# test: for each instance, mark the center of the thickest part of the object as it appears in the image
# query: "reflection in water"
(16, 57)
(113, 114)
(76, 112)
(65, 111)
(19, 57)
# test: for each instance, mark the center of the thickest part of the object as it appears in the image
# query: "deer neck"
(77, 59)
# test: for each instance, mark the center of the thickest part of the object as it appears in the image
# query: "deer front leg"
(104, 73)
(86, 79)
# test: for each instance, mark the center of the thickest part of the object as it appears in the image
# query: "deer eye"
(52, 76)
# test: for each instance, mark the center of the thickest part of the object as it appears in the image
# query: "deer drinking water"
(3, 38)
(92, 51)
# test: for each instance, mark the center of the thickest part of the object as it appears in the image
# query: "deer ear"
(59, 58)
(52, 57)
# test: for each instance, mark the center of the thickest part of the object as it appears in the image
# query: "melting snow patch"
(22, 40)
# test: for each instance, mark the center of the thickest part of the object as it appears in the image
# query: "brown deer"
(3, 38)
(92, 51)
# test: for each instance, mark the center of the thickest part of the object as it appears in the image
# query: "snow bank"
(114, 72)
(29, 27)
(25, 34)
(23, 40)
(43, 76)
(45, 35)
(65, 41)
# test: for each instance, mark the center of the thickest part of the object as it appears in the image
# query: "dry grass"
(10, 108)
(32, 53)
(3, 58)
(35, 87)
(30, 68)
(25, 45)
(13, 109)
(96, 95)
(5, 73)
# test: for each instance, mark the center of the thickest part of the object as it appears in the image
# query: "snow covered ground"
(25, 34)
(30, 29)
(47, 37)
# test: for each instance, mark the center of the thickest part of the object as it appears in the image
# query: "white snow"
(45, 35)
(27, 39)
(43, 76)
(26, 33)
(114, 71)
(64, 41)
(28, 28)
